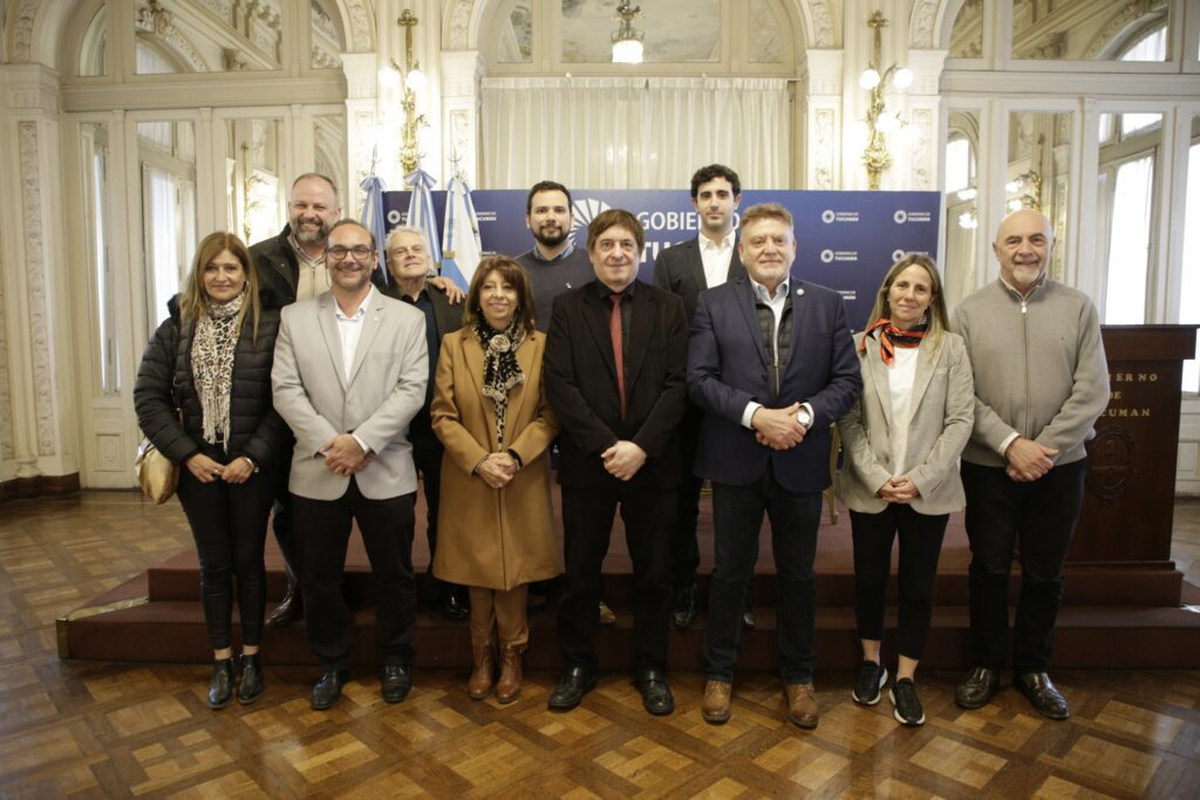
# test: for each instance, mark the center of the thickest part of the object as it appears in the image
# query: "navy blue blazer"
(727, 368)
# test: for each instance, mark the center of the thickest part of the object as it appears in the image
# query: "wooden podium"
(1128, 505)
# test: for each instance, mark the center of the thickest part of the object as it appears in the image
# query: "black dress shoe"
(656, 694)
(572, 686)
(220, 688)
(452, 606)
(1046, 699)
(395, 682)
(251, 685)
(978, 688)
(683, 612)
(329, 689)
(290, 609)
(748, 618)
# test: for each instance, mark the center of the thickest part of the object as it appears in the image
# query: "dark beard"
(552, 241)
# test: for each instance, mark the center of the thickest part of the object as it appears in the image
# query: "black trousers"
(323, 531)
(737, 517)
(284, 528)
(920, 547)
(685, 549)
(648, 514)
(427, 456)
(1039, 519)
(229, 526)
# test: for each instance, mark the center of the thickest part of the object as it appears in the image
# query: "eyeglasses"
(360, 252)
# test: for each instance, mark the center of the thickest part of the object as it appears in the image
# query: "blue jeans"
(737, 517)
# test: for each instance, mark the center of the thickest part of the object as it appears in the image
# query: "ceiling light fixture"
(627, 40)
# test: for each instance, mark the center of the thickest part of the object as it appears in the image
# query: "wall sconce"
(627, 40)
(880, 121)
(1025, 190)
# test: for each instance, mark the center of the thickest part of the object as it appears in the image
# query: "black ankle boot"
(252, 680)
(220, 688)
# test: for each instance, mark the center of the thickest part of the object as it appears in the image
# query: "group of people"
(288, 376)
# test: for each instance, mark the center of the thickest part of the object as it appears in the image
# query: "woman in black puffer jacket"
(203, 397)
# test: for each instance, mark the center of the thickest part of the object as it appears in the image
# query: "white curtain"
(160, 222)
(1129, 243)
(622, 133)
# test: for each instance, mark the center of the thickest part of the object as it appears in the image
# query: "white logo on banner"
(826, 256)
(393, 217)
(897, 255)
(827, 216)
(585, 210)
(902, 216)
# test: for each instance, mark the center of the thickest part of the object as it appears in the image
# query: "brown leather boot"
(509, 684)
(802, 704)
(480, 682)
(716, 707)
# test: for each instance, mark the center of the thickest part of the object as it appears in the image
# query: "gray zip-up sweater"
(1039, 369)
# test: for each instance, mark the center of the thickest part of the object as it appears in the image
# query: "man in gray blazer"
(350, 374)
(687, 268)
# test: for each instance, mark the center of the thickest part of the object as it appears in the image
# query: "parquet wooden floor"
(115, 730)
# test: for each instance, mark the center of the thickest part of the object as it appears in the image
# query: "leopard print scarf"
(213, 346)
(501, 372)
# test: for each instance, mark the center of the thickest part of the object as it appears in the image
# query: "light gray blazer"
(385, 391)
(943, 407)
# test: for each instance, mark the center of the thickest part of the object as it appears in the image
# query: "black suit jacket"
(680, 270)
(581, 381)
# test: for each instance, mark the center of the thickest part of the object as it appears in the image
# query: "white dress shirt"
(716, 257)
(350, 331)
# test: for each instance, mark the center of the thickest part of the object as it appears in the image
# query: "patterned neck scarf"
(501, 372)
(891, 337)
(213, 346)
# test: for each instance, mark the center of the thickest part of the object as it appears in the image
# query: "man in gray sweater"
(1041, 381)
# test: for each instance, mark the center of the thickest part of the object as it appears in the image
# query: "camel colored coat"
(493, 538)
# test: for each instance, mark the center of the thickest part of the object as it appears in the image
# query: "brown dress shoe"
(509, 684)
(717, 697)
(480, 682)
(802, 704)
(290, 609)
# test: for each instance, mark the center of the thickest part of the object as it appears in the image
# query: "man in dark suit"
(686, 269)
(616, 377)
(409, 262)
(771, 362)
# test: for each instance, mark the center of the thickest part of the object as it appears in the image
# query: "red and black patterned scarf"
(891, 337)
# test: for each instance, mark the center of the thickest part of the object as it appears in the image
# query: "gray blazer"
(385, 391)
(943, 412)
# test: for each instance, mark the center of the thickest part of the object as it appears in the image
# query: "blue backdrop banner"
(845, 240)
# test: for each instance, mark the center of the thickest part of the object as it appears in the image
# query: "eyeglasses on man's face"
(361, 252)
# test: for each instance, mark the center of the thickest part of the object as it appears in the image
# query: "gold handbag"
(156, 473)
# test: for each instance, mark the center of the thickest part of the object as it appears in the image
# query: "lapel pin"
(800, 292)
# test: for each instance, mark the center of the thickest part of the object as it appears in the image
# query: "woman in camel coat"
(495, 523)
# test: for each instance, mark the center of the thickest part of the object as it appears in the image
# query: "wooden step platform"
(1111, 618)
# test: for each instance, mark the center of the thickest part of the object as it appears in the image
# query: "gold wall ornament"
(880, 121)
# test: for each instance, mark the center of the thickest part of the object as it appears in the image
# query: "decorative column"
(461, 71)
(924, 104)
(37, 433)
(822, 119)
